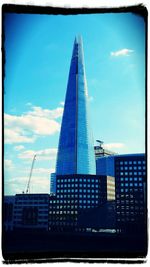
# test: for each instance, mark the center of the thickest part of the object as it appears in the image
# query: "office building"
(76, 148)
(76, 194)
(131, 203)
(78, 188)
(100, 151)
(8, 212)
(53, 183)
(31, 211)
(129, 171)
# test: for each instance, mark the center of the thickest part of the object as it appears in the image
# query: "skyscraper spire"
(76, 148)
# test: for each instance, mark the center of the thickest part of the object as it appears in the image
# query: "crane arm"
(28, 185)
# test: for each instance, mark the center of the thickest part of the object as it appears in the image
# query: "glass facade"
(130, 190)
(76, 149)
(53, 183)
(76, 194)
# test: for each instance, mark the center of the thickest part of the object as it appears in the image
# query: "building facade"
(8, 209)
(76, 148)
(76, 194)
(53, 183)
(131, 199)
(31, 211)
(129, 171)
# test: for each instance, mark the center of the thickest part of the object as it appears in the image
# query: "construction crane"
(28, 185)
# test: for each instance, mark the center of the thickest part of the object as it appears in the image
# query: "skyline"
(113, 44)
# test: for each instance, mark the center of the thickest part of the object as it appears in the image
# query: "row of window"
(130, 207)
(128, 195)
(78, 196)
(131, 201)
(61, 223)
(131, 168)
(131, 162)
(129, 179)
(74, 201)
(77, 180)
(77, 185)
(129, 190)
(131, 173)
(131, 184)
(26, 202)
(64, 212)
(80, 191)
(74, 206)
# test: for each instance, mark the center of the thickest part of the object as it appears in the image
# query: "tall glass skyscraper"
(76, 148)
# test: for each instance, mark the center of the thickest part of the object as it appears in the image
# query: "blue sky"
(38, 52)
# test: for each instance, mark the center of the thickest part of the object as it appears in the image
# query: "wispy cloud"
(113, 145)
(27, 127)
(45, 154)
(122, 52)
(8, 164)
(46, 113)
(15, 135)
(18, 148)
(62, 103)
(38, 184)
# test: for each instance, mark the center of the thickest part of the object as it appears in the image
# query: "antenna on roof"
(100, 143)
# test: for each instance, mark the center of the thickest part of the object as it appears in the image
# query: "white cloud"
(45, 154)
(27, 127)
(13, 136)
(122, 52)
(8, 164)
(113, 145)
(18, 148)
(38, 184)
(44, 171)
(46, 113)
(62, 103)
